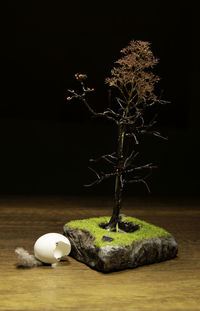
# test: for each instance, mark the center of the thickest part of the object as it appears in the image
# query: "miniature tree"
(134, 81)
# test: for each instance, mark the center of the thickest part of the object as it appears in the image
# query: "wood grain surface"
(170, 285)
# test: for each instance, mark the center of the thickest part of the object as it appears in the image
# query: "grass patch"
(146, 231)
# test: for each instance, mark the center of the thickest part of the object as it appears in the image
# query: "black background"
(46, 142)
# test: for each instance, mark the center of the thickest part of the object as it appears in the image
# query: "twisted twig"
(100, 177)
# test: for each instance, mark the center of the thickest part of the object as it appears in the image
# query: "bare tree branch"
(130, 159)
(82, 96)
(159, 101)
(120, 102)
(106, 157)
(155, 133)
(142, 167)
(139, 181)
(134, 136)
(100, 177)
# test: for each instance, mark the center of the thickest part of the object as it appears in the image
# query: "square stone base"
(112, 258)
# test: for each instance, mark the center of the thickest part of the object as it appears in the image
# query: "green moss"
(146, 231)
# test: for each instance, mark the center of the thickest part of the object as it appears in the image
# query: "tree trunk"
(112, 225)
(118, 186)
(117, 205)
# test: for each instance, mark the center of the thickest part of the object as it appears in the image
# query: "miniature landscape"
(114, 243)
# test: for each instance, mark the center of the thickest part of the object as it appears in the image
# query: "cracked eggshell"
(51, 247)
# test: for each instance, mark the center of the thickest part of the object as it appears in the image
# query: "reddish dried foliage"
(133, 74)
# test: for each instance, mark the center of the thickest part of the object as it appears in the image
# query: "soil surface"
(124, 226)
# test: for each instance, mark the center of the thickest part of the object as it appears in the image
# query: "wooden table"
(171, 285)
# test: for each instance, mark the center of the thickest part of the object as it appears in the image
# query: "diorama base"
(112, 251)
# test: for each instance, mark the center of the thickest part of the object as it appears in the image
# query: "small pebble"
(107, 238)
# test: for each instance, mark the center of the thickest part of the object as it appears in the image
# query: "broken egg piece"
(52, 247)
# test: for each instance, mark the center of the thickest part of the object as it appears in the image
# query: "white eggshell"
(51, 247)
